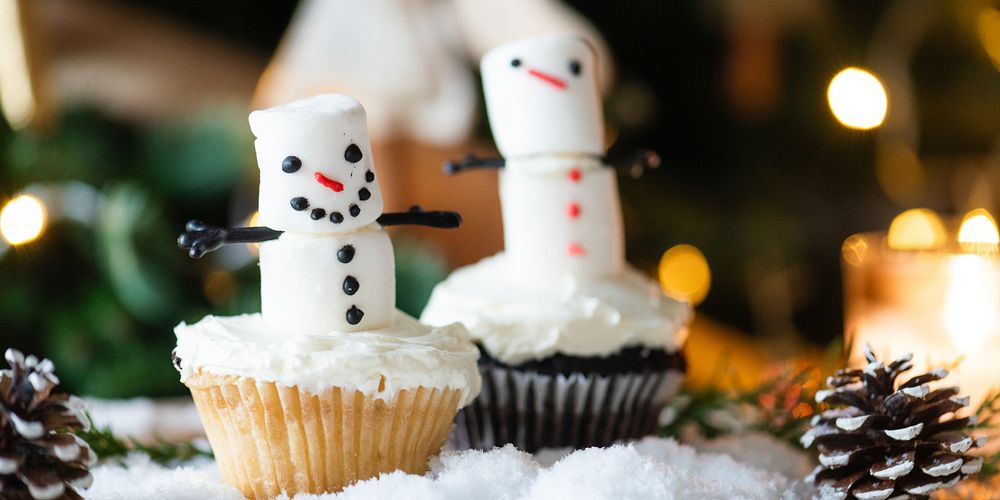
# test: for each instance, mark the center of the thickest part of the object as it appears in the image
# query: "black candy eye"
(291, 164)
(515, 62)
(353, 153)
(574, 67)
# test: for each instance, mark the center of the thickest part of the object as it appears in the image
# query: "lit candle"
(917, 290)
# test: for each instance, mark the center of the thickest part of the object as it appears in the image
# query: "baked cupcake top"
(404, 355)
(519, 320)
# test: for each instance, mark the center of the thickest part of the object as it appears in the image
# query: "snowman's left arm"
(471, 161)
(417, 216)
(200, 238)
(635, 164)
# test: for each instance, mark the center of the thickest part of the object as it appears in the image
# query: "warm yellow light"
(855, 250)
(917, 229)
(978, 232)
(219, 287)
(22, 219)
(684, 274)
(857, 99)
(969, 314)
(254, 221)
(988, 25)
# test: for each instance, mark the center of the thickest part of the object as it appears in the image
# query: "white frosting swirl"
(405, 355)
(518, 321)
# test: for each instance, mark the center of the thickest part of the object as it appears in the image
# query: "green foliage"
(100, 293)
(110, 447)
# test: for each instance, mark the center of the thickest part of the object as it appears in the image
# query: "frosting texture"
(518, 320)
(405, 355)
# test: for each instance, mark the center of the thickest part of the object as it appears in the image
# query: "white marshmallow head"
(542, 97)
(316, 169)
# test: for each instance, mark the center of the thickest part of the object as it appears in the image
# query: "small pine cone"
(39, 456)
(886, 441)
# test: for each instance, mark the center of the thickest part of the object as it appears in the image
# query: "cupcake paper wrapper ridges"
(269, 439)
(534, 410)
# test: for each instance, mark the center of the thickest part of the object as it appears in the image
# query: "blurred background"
(124, 119)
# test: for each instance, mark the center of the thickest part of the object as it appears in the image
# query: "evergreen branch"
(107, 446)
(988, 411)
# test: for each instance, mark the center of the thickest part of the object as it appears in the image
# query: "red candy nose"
(547, 78)
(328, 182)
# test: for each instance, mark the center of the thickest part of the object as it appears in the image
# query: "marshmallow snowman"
(332, 269)
(325, 263)
(560, 203)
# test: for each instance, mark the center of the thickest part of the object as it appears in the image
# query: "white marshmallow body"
(535, 102)
(561, 216)
(302, 281)
(318, 131)
(303, 272)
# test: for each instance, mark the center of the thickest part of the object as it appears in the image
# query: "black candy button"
(353, 153)
(317, 214)
(369, 176)
(351, 285)
(354, 315)
(354, 210)
(364, 194)
(291, 164)
(345, 254)
(336, 217)
(299, 203)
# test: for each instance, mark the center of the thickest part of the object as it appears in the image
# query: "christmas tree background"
(757, 174)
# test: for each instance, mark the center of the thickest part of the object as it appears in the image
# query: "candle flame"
(978, 232)
(917, 229)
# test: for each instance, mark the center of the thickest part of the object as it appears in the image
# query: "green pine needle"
(111, 447)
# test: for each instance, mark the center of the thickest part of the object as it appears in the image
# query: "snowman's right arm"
(200, 238)
(471, 161)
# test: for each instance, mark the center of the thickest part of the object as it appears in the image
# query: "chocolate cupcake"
(579, 349)
(584, 362)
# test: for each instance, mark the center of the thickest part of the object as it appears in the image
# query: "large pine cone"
(39, 456)
(886, 441)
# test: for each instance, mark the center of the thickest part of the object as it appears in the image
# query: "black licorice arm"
(418, 217)
(471, 162)
(200, 238)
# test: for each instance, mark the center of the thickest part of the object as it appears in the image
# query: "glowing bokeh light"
(978, 232)
(988, 26)
(22, 219)
(917, 229)
(684, 274)
(857, 99)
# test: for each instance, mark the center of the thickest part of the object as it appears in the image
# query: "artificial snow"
(749, 466)
(652, 468)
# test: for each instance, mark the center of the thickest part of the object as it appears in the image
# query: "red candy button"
(573, 210)
(575, 174)
(574, 249)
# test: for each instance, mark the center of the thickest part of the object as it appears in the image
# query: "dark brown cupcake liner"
(535, 410)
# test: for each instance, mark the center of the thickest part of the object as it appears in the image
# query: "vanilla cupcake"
(579, 349)
(302, 412)
(330, 384)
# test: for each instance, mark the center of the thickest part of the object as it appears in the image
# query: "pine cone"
(886, 441)
(39, 457)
